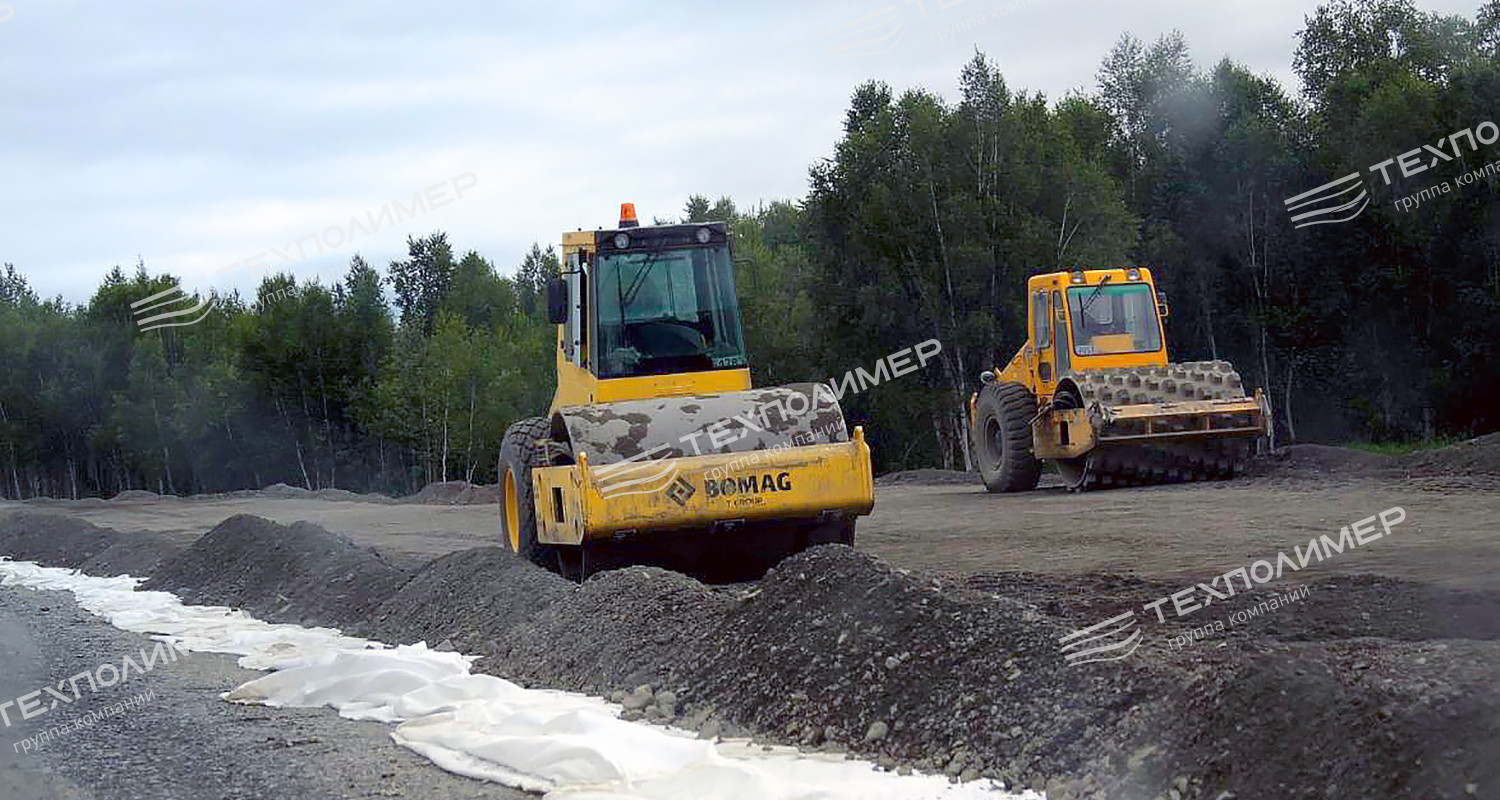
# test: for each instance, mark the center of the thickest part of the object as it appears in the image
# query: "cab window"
(1041, 320)
(1111, 319)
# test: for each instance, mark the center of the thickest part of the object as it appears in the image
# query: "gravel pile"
(1353, 718)
(456, 493)
(344, 495)
(467, 599)
(838, 649)
(51, 539)
(299, 573)
(833, 650)
(1322, 458)
(136, 496)
(1355, 693)
(621, 629)
(137, 554)
(1480, 456)
(283, 490)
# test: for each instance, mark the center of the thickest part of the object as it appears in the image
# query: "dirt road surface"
(938, 646)
(1451, 536)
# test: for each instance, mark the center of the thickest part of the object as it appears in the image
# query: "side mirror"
(557, 301)
(1161, 310)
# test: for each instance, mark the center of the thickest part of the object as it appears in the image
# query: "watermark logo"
(978, 21)
(428, 199)
(1110, 640)
(646, 473)
(85, 721)
(638, 474)
(35, 704)
(869, 35)
(185, 306)
(1240, 617)
(1330, 202)
(6, 12)
(1104, 641)
(879, 31)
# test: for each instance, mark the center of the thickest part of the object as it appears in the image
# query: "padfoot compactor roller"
(656, 450)
(1093, 392)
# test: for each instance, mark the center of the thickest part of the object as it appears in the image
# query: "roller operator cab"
(656, 448)
(1093, 391)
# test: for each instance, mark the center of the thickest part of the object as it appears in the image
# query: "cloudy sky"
(198, 135)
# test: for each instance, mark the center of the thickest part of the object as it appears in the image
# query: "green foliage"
(308, 385)
(423, 281)
(923, 223)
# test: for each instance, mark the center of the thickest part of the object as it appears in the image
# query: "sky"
(216, 140)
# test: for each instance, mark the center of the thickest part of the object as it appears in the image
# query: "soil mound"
(442, 492)
(480, 495)
(467, 598)
(1357, 718)
(1477, 456)
(1337, 607)
(136, 554)
(283, 490)
(51, 540)
(301, 573)
(840, 647)
(456, 493)
(344, 495)
(136, 496)
(1327, 459)
(619, 630)
(927, 477)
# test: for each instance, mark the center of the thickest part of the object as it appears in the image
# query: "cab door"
(1063, 359)
(1044, 366)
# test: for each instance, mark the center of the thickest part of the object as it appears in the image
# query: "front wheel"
(1002, 437)
(523, 448)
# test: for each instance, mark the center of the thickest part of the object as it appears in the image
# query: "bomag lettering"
(750, 484)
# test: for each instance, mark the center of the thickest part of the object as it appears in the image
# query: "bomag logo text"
(752, 484)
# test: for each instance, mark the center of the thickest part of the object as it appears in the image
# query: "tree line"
(922, 223)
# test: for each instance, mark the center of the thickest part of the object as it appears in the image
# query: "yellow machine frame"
(831, 480)
(1067, 433)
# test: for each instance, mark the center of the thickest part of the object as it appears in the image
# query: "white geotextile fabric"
(566, 745)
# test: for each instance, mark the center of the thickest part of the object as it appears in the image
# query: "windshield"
(667, 311)
(1113, 319)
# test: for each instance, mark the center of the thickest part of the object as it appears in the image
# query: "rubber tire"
(523, 448)
(836, 532)
(1002, 437)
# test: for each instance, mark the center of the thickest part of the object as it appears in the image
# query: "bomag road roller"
(656, 450)
(1092, 391)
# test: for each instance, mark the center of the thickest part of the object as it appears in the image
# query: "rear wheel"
(837, 532)
(1074, 471)
(526, 446)
(1002, 434)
